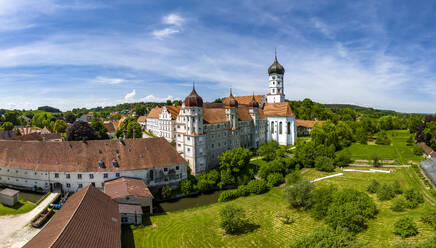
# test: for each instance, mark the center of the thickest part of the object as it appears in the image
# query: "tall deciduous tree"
(60, 126)
(81, 130)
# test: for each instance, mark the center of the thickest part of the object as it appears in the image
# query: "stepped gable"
(89, 218)
(79, 156)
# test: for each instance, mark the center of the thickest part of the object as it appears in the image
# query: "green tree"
(275, 179)
(343, 158)
(293, 177)
(362, 136)
(385, 192)
(186, 186)
(270, 151)
(140, 110)
(99, 128)
(234, 163)
(323, 163)
(232, 219)
(397, 187)
(12, 116)
(399, 204)
(60, 126)
(299, 195)
(405, 227)
(414, 198)
(306, 154)
(81, 130)
(166, 191)
(321, 199)
(257, 186)
(324, 237)
(7, 126)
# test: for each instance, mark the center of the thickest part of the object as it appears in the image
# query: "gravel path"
(15, 230)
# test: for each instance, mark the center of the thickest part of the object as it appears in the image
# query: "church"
(202, 131)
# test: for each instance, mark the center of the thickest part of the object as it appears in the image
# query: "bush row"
(254, 187)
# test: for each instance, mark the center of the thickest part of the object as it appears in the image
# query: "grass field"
(19, 208)
(397, 151)
(199, 227)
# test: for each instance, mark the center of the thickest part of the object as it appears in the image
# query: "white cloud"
(160, 34)
(173, 19)
(107, 80)
(152, 98)
(130, 97)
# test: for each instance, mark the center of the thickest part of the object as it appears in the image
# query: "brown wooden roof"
(124, 186)
(155, 112)
(174, 111)
(278, 109)
(89, 218)
(130, 154)
(307, 123)
(247, 99)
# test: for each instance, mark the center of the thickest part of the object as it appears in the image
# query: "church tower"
(276, 91)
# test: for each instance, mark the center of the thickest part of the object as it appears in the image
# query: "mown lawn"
(199, 227)
(398, 150)
(20, 208)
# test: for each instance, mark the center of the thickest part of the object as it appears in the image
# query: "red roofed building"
(89, 218)
(305, 126)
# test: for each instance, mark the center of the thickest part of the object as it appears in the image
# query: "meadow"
(199, 227)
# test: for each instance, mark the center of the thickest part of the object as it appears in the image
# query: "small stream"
(189, 202)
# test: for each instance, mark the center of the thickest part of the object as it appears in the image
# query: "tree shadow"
(16, 206)
(146, 220)
(127, 240)
(247, 227)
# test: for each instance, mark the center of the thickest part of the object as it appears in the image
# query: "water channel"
(189, 202)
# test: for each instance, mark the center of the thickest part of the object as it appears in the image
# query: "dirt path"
(15, 230)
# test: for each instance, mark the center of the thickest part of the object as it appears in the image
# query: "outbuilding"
(9, 197)
(130, 214)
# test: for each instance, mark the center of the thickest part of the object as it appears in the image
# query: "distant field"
(397, 151)
(199, 227)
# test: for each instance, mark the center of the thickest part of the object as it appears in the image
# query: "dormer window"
(101, 164)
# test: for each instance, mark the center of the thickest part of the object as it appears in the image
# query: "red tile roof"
(307, 123)
(247, 99)
(124, 186)
(76, 156)
(89, 218)
(155, 112)
(142, 118)
(110, 126)
(428, 150)
(278, 109)
(174, 111)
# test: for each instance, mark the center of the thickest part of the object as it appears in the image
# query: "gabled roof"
(89, 218)
(110, 126)
(428, 150)
(155, 112)
(78, 156)
(142, 118)
(307, 123)
(247, 99)
(243, 114)
(174, 111)
(124, 186)
(278, 109)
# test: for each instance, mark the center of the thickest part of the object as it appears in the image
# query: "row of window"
(91, 176)
(281, 126)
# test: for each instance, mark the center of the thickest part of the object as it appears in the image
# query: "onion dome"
(230, 102)
(253, 103)
(193, 99)
(276, 68)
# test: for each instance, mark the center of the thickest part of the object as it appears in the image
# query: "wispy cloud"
(174, 21)
(130, 97)
(108, 80)
(152, 98)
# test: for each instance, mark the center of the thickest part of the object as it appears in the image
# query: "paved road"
(15, 230)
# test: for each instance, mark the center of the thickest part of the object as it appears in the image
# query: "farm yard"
(199, 227)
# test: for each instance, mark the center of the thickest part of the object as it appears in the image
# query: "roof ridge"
(71, 217)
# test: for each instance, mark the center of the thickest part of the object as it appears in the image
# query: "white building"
(202, 131)
(72, 165)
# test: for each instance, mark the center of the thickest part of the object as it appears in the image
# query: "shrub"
(385, 192)
(232, 219)
(376, 160)
(257, 186)
(326, 237)
(275, 179)
(228, 195)
(383, 139)
(166, 191)
(373, 186)
(343, 158)
(413, 197)
(399, 204)
(405, 227)
(428, 243)
(293, 177)
(350, 209)
(417, 150)
(323, 163)
(186, 186)
(397, 187)
(299, 195)
(243, 190)
(275, 166)
(321, 199)
(429, 218)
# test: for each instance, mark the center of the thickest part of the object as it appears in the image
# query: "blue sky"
(95, 53)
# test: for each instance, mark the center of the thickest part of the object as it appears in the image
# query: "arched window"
(272, 126)
(289, 128)
(280, 128)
